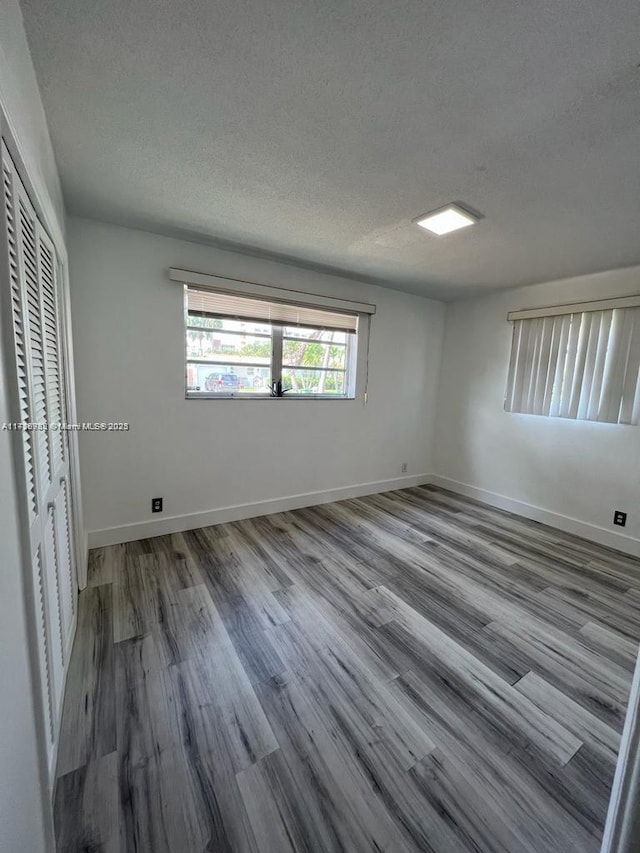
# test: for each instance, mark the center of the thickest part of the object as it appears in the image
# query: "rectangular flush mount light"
(446, 219)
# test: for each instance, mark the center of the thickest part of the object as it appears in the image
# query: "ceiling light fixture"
(446, 219)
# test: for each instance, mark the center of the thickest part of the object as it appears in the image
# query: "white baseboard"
(178, 523)
(593, 532)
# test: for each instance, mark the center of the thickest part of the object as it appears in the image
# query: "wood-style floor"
(411, 671)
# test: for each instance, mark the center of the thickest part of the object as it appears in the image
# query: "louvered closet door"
(57, 450)
(39, 377)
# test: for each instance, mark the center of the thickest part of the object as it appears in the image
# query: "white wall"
(25, 819)
(570, 469)
(204, 455)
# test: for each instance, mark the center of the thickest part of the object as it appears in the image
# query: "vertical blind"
(583, 365)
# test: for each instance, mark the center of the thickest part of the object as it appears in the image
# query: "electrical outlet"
(404, 468)
(620, 518)
(156, 504)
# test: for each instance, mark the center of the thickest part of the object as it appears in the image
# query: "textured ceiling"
(318, 129)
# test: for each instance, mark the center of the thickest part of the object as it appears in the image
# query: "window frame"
(355, 370)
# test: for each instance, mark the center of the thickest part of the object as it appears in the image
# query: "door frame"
(622, 829)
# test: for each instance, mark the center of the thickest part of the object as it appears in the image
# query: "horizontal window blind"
(202, 302)
(583, 365)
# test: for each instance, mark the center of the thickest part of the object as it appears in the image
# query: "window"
(246, 346)
(581, 364)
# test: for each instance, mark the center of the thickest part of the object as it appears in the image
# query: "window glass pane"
(221, 345)
(227, 378)
(315, 335)
(311, 353)
(229, 357)
(305, 381)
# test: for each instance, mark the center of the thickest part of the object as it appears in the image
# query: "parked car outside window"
(221, 382)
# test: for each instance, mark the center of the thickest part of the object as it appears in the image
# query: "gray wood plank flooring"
(411, 671)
